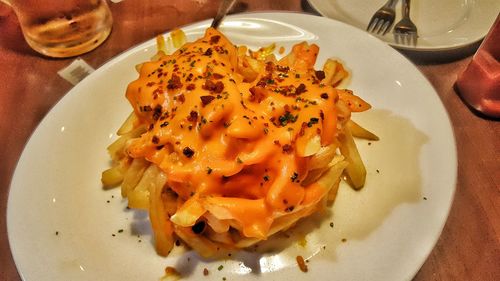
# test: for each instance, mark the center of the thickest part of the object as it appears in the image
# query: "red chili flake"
(269, 66)
(174, 82)
(145, 108)
(324, 96)
(213, 87)
(257, 94)
(300, 262)
(155, 140)
(209, 85)
(150, 84)
(188, 152)
(181, 98)
(281, 68)
(303, 129)
(206, 100)
(300, 89)
(287, 148)
(208, 52)
(214, 39)
(157, 112)
(277, 142)
(320, 74)
(193, 116)
(189, 77)
(190, 87)
(219, 86)
(322, 115)
(217, 76)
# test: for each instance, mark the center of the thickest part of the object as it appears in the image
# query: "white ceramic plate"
(442, 25)
(63, 226)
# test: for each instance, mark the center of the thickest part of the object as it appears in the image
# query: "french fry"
(360, 132)
(117, 149)
(189, 212)
(355, 171)
(128, 125)
(324, 155)
(133, 175)
(335, 72)
(138, 197)
(111, 177)
(178, 38)
(355, 103)
(203, 246)
(162, 227)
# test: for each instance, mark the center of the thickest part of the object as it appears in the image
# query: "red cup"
(479, 84)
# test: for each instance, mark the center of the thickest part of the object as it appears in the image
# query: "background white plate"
(388, 228)
(442, 25)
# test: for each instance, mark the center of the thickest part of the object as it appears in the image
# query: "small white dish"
(63, 226)
(442, 25)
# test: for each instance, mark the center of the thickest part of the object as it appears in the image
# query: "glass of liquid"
(63, 28)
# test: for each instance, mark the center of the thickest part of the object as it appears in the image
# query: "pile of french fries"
(145, 186)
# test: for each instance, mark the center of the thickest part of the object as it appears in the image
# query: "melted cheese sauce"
(244, 145)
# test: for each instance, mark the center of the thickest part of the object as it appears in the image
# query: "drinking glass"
(63, 28)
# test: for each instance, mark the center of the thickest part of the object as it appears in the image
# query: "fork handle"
(391, 3)
(406, 8)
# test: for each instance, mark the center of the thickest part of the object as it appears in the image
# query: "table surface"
(469, 247)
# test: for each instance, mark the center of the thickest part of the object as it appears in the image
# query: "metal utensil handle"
(406, 8)
(224, 8)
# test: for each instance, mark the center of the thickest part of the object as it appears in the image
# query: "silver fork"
(405, 31)
(383, 19)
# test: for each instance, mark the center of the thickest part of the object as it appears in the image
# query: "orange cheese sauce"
(241, 144)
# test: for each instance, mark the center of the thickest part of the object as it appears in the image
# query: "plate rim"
(140, 46)
(440, 48)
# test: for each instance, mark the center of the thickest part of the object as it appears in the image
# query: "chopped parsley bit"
(266, 178)
(425, 198)
(120, 230)
(331, 224)
(209, 170)
(266, 131)
(312, 121)
(220, 267)
(57, 232)
(239, 160)
(192, 63)
(294, 176)
(297, 75)
(286, 118)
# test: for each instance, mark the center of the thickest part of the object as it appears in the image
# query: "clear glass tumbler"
(63, 28)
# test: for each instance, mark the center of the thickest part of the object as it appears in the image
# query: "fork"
(383, 19)
(405, 31)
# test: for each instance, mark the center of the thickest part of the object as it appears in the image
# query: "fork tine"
(384, 28)
(397, 38)
(372, 24)
(414, 38)
(377, 27)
